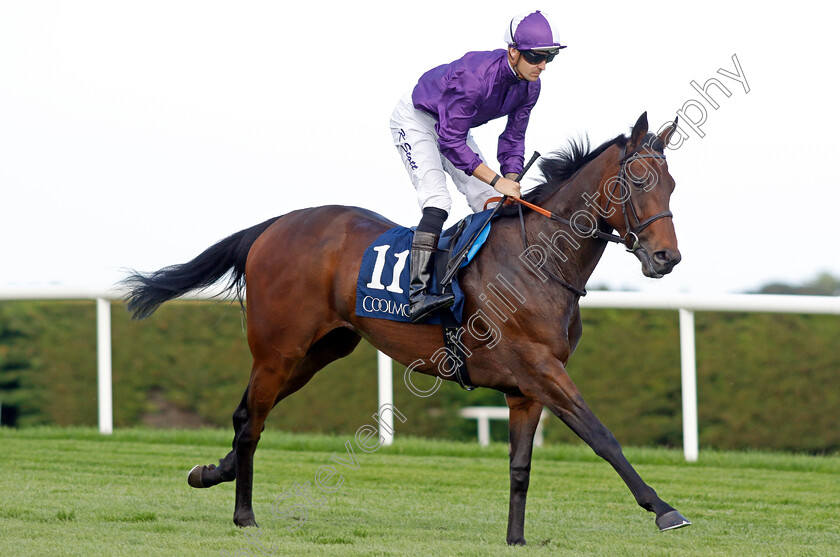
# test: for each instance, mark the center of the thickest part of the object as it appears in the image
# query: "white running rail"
(685, 304)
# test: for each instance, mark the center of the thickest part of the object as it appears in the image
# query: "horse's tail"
(146, 292)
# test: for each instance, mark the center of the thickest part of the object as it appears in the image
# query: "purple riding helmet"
(532, 31)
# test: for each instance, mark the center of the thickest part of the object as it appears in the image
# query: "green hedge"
(764, 380)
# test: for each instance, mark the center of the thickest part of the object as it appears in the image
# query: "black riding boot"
(422, 303)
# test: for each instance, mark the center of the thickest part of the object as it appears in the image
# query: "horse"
(300, 294)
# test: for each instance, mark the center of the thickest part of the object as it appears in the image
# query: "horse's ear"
(665, 136)
(639, 132)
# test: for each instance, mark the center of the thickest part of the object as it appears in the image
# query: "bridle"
(631, 237)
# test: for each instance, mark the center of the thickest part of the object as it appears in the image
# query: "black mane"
(560, 165)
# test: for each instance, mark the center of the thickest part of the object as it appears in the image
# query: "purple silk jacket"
(470, 92)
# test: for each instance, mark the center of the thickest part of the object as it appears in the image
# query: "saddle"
(382, 284)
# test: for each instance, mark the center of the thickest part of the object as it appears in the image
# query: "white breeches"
(417, 143)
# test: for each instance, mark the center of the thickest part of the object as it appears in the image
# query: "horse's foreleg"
(562, 396)
(524, 418)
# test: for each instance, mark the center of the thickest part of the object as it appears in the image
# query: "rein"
(630, 239)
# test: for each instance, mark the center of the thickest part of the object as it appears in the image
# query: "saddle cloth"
(384, 276)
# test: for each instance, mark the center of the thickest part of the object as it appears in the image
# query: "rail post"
(688, 365)
(103, 360)
(385, 370)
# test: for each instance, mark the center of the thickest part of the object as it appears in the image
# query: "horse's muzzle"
(660, 263)
(665, 260)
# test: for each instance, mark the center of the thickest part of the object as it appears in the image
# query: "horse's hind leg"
(210, 475)
(270, 383)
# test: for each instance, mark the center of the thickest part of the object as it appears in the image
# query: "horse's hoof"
(516, 541)
(194, 479)
(246, 520)
(671, 521)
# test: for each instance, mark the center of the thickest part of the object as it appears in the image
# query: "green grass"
(75, 492)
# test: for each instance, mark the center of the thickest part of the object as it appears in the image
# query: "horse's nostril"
(662, 257)
(665, 259)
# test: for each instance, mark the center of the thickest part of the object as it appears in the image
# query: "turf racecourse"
(75, 492)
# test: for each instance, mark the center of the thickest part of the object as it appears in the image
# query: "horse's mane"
(562, 164)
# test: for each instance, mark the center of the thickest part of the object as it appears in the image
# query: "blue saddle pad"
(382, 286)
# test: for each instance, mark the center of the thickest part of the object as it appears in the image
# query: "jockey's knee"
(432, 191)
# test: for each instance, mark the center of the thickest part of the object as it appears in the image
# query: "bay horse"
(302, 269)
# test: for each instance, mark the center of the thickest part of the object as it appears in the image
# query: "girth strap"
(454, 350)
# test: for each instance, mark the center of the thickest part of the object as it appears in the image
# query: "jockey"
(431, 129)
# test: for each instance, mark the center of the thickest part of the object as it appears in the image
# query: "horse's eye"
(639, 181)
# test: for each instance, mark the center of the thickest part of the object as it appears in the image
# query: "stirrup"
(425, 307)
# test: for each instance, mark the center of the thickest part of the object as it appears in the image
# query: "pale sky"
(138, 134)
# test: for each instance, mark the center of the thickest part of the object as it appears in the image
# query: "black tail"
(147, 292)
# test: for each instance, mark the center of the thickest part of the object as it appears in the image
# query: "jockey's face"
(525, 70)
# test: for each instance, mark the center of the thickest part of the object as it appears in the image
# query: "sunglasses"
(535, 57)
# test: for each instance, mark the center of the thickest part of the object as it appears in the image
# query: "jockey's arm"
(504, 185)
